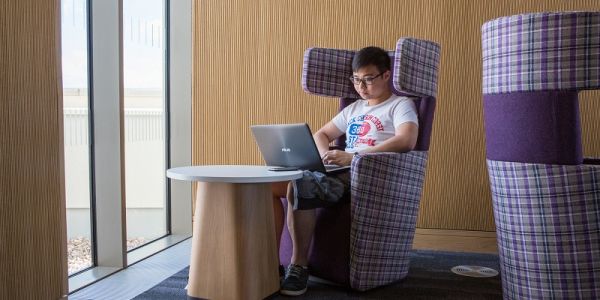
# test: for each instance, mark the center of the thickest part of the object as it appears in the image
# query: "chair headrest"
(416, 67)
(326, 72)
(541, 52)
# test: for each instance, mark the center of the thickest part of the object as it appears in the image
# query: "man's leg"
(279, 190)
(301, 224)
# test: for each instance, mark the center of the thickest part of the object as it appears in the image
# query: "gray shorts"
(316, 189)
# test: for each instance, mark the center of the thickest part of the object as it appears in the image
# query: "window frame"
(106, 115)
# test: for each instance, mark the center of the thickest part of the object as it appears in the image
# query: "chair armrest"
(371, 170)
(384, 184)
(385, 191)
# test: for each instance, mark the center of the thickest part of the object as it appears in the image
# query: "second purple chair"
(546, 196)
(366, 243)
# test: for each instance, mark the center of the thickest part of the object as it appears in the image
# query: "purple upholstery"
(365, 243)
(326, 259)
(541, 52)
(330, 250)
(548, 223)
(326, 72)
(546, 202)
(591, 161)
(525, 57)
(416, 67)
(425, 109)
(380, 221)
(285, 247)
(386, 191)
(540, 127)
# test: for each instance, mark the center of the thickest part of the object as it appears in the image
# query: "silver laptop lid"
(288, 145)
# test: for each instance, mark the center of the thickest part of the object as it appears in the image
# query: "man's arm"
(326, 135)
(404, 140)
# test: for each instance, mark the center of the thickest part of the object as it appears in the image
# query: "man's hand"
(337, 157)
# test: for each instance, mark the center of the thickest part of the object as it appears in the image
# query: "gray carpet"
(429, 277)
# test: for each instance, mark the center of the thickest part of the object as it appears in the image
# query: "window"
(144, 99)
(76, 134)
(118, 143)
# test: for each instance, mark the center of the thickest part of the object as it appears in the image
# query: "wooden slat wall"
(32, 214)
(247, 66)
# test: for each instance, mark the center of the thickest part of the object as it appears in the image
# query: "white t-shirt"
(366, 126)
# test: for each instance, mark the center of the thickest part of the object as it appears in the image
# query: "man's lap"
(316, 190)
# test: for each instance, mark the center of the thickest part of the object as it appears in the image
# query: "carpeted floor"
(429, 278)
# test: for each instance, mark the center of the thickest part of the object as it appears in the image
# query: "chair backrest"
(326, 72)
(533, 67)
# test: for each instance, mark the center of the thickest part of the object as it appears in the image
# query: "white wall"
(144, 164)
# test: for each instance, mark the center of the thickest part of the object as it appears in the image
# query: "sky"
(143, 47)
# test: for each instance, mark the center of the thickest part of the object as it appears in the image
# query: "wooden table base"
(234, 251)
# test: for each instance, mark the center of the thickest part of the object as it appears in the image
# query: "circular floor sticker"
(474, 271)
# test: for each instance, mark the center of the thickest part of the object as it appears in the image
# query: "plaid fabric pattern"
(386, 190)
(416, 67)
(542, 51)
(548, 226)
(326, 72)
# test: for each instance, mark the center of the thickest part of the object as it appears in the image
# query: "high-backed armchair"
(366, 243)
(546, 196)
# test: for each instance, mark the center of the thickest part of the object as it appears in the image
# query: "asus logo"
(286, 150)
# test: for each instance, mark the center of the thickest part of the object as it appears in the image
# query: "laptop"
(290, 147)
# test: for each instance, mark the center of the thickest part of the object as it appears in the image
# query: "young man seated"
(382, 122)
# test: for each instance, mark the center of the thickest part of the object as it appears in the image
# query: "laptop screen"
(288, 145)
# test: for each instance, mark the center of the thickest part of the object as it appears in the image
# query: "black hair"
(371, 56)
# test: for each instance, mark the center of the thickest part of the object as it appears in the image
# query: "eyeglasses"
(368, 80)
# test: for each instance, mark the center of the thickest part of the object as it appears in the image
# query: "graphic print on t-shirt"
(362, 130)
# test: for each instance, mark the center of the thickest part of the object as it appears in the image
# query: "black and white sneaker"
(295, 281)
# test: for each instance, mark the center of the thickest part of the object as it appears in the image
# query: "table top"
(232, 174)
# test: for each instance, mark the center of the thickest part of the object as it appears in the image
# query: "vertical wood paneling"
(32, 215)
(247, 68)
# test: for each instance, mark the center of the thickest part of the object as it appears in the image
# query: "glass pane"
(144, 67)
(77, 145)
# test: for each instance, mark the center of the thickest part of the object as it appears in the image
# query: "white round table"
(234, 251)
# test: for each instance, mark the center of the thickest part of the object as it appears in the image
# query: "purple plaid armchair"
(546, 196)
(366, 243)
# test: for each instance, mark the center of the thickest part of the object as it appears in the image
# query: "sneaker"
(296, 279)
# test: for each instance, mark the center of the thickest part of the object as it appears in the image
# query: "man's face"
(378, 82)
